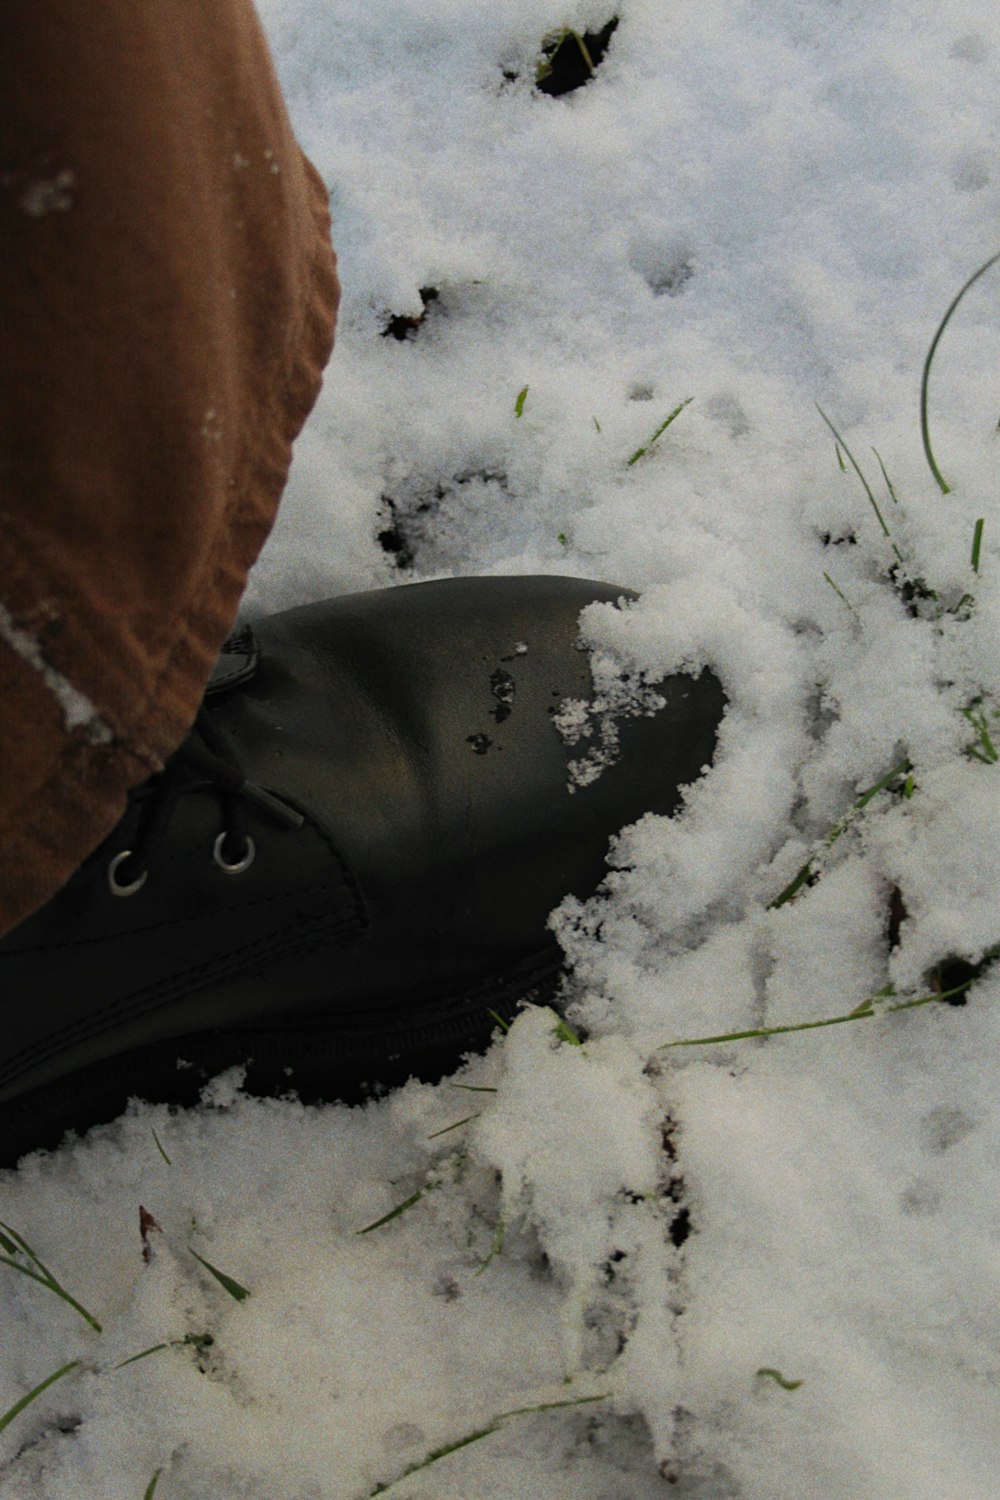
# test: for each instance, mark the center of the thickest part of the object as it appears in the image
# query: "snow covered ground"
(773, 1262)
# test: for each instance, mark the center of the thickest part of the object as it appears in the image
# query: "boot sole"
(318, 1063)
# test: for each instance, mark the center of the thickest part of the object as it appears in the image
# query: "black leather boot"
(347, 866)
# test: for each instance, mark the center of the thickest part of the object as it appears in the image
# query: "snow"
(762, 207)
(77, 709)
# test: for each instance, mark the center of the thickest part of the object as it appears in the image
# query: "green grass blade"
(988, 752)
(16, 1243)
(505, 1025)
(944, 486)
(793, 887)
(867, 487)
(805, 873)
(885, 476)
(21, 1244)
(435, 1133)
(977, 542)
(522, 396)
(786, 1385)
(873, 791)
(496, 1248)
(478, 1435)
(19, 1406)
(201, 1341)
(432, 1458)
(17, 1265)
(519, 1411)
(742, 1036)
(151, 1486)
(240, 1293)
(660, 430)
(860, 1012)
(840, 594)
(564, 1031)
(475, 1088)
(400, 1208)
(551, 45)
(159, 1147)
(134, 1358)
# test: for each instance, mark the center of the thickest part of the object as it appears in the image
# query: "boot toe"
(421, 737)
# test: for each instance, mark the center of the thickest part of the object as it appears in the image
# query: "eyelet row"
(228, 867)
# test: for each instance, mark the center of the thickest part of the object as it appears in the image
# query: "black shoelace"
(205, 758)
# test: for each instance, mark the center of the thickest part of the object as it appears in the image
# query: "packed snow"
(759, 1268)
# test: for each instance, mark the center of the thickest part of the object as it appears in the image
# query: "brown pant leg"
(167, 302)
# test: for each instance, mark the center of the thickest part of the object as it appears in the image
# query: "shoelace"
(206, 756)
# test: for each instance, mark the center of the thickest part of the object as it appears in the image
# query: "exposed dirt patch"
(402, 326)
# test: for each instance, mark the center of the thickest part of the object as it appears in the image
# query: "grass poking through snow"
(14, 1244)
(565, 1033)
(454, 1126)
(160, 1148)
(233, 1287)
(640, 452)
(400, 1208)
(199, 1341)
(808, 871)
(982, 747)
(19, 1406)
(943, 484)
(481, 1432)
(872, 1006)
(867, 487)
(496, 1247)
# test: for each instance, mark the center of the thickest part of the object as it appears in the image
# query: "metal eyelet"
(238, 866)
(116, 887)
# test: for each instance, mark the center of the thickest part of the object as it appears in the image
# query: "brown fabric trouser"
(167, 301)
